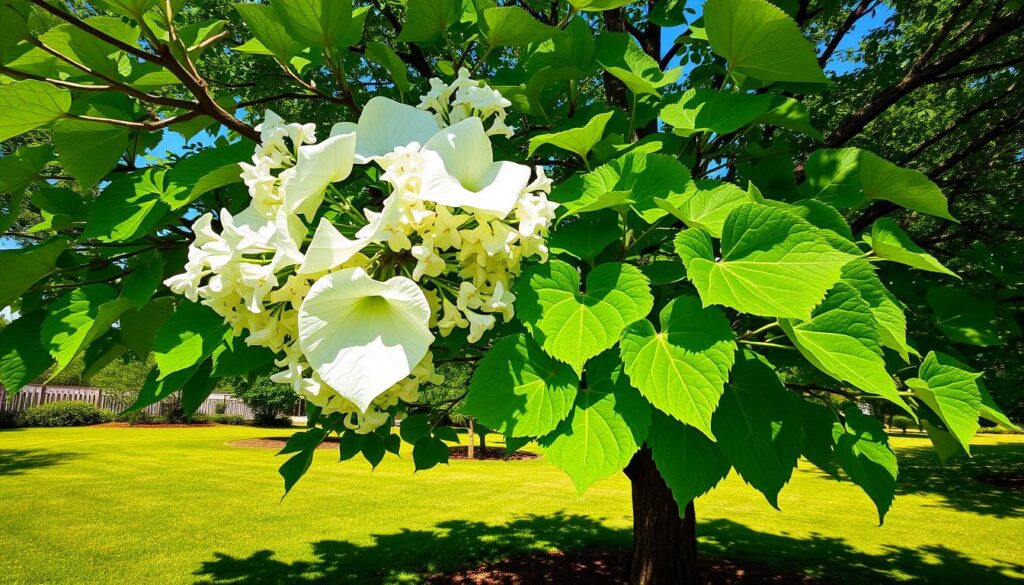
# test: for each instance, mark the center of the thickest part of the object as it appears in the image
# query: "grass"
(172, 505)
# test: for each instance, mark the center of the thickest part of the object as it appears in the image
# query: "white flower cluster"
(348, 300)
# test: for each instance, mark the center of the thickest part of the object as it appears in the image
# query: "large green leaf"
(91, 51)
(786, 112)
(621, 56)
(139, 326)
(78, 318)
(24, 267)
(950, 389)
(605, 428)
(27, 105)
(128, 207)
(817, 421)
(263, 22)
(707, 110)
(599, 5)
(760, 40)
(772, 263)
(890, 320)
(841, 339)
(641, 179)
(892, 243)
(520, 391)
(23, 358)
(574, 326)
(578, 140)
(850, 177)
(88, 150)
(758, 427)
(425, 20)
(681, 369)
(187, 337)
(690, 463)
(863, 451)
(511, 26)
(23, 166)
(586, 236)
(964, 317)
(206, 170)
(709, 206)
(991, 411)
(319, 23)
(386, 57)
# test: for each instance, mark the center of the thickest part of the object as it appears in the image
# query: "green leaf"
(145, 278)
(688, 461)
(24, 267)
(574, 326)
(197, 389)
(605, 428)
(268, 29)
(820, 215)
(621, 56)
(786, 112)
(841, 339)
(709, 206)
(574, 48)
(587, 236)
(206, 170)
(133, 8)
(23, 167)
(964, 317)
(304, 445)
(429, 452)
(128, 207)
(518, 390)
(818, 447)
(27, 105)
(890, 321)
(187, 337)
(59, 207)
(154, 390)
(889, 242)
(90, 50)
(386, 57)
(850, 177)
(643, 179)
(759, 40)
(707, 110)
(88, 150)
(950, 389)
(599, 5)
(237, 358)
(772, 263)
(320, 23)
(683, 368)
(758, 427)
(139, 326)
(414, 427)
(425, 20)
(23, 358)
(991, 411)
(511, 26)
(78, 318)
(862, 448)
(578, 140)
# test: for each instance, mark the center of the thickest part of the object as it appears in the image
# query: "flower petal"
(362, 335)
(318, 166)
(329, 248)
(386, 124)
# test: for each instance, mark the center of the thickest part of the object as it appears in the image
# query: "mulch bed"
(1014, 481)
(489, 453)
(154, 425)
(594, 567)
(278, 443)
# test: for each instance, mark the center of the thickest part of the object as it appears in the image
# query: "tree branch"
(863, 8)
(980, 69)
(78, 23)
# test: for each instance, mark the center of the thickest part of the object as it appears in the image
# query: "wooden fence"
(34, 395)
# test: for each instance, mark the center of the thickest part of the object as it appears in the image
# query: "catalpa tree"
(651, 272)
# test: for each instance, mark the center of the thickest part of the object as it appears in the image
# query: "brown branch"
(78, 23)
(149, 126)
(863, 8)
(614, 89)
(997, 130)
(58, 82)
(941, 36)
(416, 59)
(980, 69)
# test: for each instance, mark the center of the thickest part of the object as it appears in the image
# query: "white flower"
(428, 262)
(478, 325)
(362, 335)
(385, 125)
(459, 171)
(318, 166)
(501, 301)
(329, 249)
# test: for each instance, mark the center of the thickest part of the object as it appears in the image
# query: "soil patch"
(278, 443)
(593, 567)
(1013, 481)
(154, 425)
(490, 453)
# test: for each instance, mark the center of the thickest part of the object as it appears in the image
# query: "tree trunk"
(470, 440)
(664, 543)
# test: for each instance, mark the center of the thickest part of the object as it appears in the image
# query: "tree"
(723, 284)
(267, 400)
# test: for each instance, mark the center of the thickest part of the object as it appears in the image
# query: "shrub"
(221, 407)
(267, 400)
(64, 413)
(227, 419)
(902, 423)
(8, 420)
(200, 419)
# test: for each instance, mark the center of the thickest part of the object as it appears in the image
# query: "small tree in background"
(267, 400)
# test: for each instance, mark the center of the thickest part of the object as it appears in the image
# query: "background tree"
(746, 154)
(268, 401)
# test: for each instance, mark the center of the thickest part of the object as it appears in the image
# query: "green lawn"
(123, 505)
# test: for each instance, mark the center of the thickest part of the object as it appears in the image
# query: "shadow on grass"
(18, 461)
(410, 555)
(958, 483)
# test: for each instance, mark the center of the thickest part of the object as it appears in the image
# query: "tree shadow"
(410, 556)
(960, 483)
(18, 461)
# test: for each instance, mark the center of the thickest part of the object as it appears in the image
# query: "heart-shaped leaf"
(574, 326)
